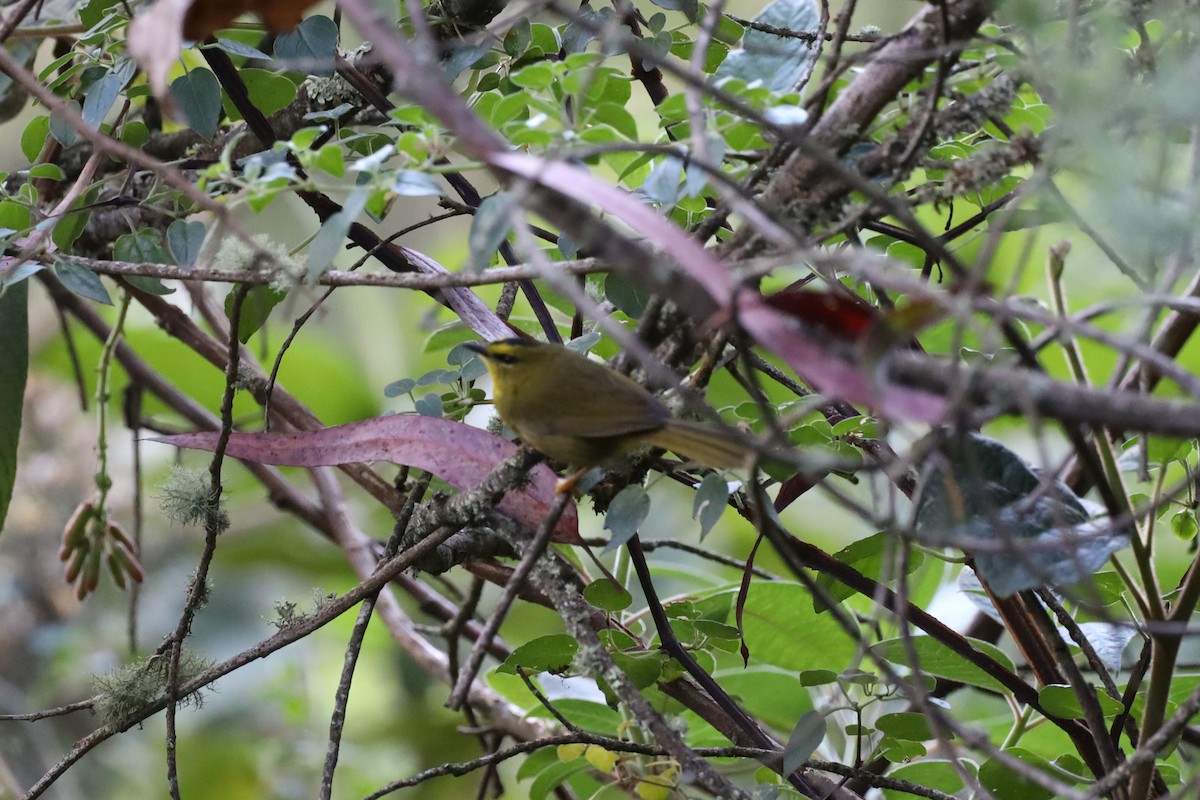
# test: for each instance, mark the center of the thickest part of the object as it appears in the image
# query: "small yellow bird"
(583, 413)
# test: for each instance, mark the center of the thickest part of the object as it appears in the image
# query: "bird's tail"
(720, 448)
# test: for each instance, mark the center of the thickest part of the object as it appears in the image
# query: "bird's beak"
(477, 347)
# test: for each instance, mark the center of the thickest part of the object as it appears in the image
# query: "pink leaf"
(466, 304)
(155, 39)
(457, 453)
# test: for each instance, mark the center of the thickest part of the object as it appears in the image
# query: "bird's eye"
(504, 358)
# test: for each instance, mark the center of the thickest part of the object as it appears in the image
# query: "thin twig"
(529, 558)
(395, 280)
(198, 589)
(341, 697)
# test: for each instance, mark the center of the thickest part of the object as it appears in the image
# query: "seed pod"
(78, 556)
(117, 570)
(129, 563)
(89, 579)
(75, 531)
(118, 534)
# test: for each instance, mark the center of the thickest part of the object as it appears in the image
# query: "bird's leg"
(572, 480)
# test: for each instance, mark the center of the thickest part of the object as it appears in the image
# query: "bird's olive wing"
(608, 404)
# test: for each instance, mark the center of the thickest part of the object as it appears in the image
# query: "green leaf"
(544, 37)
(1183, 524)
(489, 227)
(535, 76)
(689, 8)
(1163, 449)
(1003, 783)
(184, 240)
(553, 776)
(773, 697)
(329, 240)
(873, 556)
(803, 741)
(14, 216)
(979, 490)
(626, 295)
(256, 309)
(14, 366)
(607, 595)
(728, 31)
(900, 751)
(552, 653)
(141, 247)
(907, 725)
(578, 34)
(642, 669)
(569, 248)
(938, 660)
(460, 58)
(518, 38)
(410, 183)
(92, 13)
(718, 630)
(400, 387)
(429, 405)
(664, 183)
(235, 48)
(148, 285)
(330, 159)
(587, 714)
(198, 95)
(514, 106)
(936, 774)
(61, 129)
(82, 281)
(269, 92)
(626, 513)
(311, 47)
(615, 116)
(779, 63)
(1106, 588)
(20, 273)
(75, 221)
(103, 93)
(33, 138)
(614, 639)
(437, 377)
(1108, 640)
(1026, 218)
(711, 500)
(781, 629)
(135, 133)
(817, 677)
(50, 171)
(1061, 700)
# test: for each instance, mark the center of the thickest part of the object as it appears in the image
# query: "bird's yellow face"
(514, 363)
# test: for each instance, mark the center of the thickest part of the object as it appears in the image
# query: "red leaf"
(833, 312)
(795, 486)
(458, 454)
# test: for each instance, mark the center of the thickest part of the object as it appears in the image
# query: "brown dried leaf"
(207, 16)
(156, 36)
